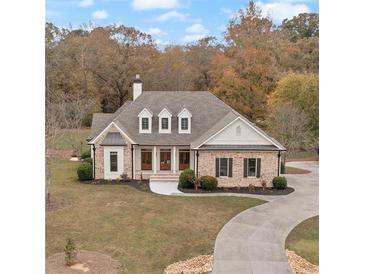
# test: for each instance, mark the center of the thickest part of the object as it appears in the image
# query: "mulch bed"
(300, 265)
(89, 262)
(197, 265)
(256, 191)
(137, 184)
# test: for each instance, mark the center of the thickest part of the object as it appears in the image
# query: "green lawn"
(304, 240)
(295, 170)
(64, 142)
(145, 232)
(302, 156)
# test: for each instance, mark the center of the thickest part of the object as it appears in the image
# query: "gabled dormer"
(145, 121)
(184, 121)
(164, 121)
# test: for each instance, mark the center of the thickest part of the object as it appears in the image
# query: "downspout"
(279, 163)
(94, 160)
(197, 163)
(132, 148)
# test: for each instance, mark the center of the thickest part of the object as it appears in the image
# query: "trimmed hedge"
(184, 177)
(86, 154)
(282, 168)
(208, 182)
(87, 160)
(279, 182)
(85, 171)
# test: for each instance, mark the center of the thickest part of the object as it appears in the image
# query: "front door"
(165, 159)
(184, 159)
(146, 159)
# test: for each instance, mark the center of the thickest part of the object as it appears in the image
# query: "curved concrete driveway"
(254, 240)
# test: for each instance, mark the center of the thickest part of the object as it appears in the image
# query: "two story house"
(161, 133)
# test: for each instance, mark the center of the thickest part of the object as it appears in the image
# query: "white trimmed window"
(252, 167)
(223, 167)
(184, 121)
(145, 121)
(164, 121)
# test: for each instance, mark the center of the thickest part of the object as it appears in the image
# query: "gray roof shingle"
(209, 114)
(240, 147)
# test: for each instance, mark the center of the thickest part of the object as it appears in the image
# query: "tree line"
(266, 72)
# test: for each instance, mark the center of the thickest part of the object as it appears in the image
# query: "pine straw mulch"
(198, 265)
(300, 265)
(89, 262)
(204, 264)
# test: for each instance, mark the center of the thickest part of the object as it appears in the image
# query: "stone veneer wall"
(269, 167)
(99, 164)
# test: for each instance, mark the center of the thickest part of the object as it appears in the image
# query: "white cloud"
(280, 10)
(172, 15)
(155, 31)
(196, 28)
(100, 14)
(195, 32)
(192, 37)
(86, 3)
(155, 4)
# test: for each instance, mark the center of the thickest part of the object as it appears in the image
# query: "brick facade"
(269, 167)
(99, 163)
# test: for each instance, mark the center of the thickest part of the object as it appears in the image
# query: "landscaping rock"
(300, 265)
(198, 265)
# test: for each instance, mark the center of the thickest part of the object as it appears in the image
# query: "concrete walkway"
(254, 240)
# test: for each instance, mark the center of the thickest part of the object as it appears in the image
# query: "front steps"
(164, 178)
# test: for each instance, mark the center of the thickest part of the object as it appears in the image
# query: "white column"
(174, 160)
(154, 159)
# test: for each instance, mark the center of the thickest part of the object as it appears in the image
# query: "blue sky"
(168, 21)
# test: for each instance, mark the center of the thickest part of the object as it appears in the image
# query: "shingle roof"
(241, 147)
(206, 110)
(209, 114)
(113, 139)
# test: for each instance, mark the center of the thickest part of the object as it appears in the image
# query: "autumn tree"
(248, 66)
(290, 126)
(301, 91)
(304, 25)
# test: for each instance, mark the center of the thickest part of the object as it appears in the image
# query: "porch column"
(154, 160)
(174, 160)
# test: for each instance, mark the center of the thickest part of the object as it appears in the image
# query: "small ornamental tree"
(70, 252)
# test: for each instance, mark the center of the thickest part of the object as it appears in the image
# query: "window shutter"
(258, 172)
(230, 167)
(245, 167)
(216, 167)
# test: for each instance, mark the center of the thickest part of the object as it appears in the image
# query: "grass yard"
(304, 240)
(302, 156)
(145, 232)
(63, 142)
(295, 170)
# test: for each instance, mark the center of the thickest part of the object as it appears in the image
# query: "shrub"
(282, 168)
(264, 185)
(85, 171)
(251, 187)
(279, 182)
(208, 182)
(88, 160)
(86, 154)
(185, 178)
(70, 252)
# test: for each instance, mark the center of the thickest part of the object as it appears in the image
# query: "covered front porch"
(151, 160)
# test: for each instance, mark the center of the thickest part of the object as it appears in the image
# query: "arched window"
(238, 131)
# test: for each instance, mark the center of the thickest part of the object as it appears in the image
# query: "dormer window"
(145, 124)
(184, 118)
(164, 121)
(184, 123)
(145, 121)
